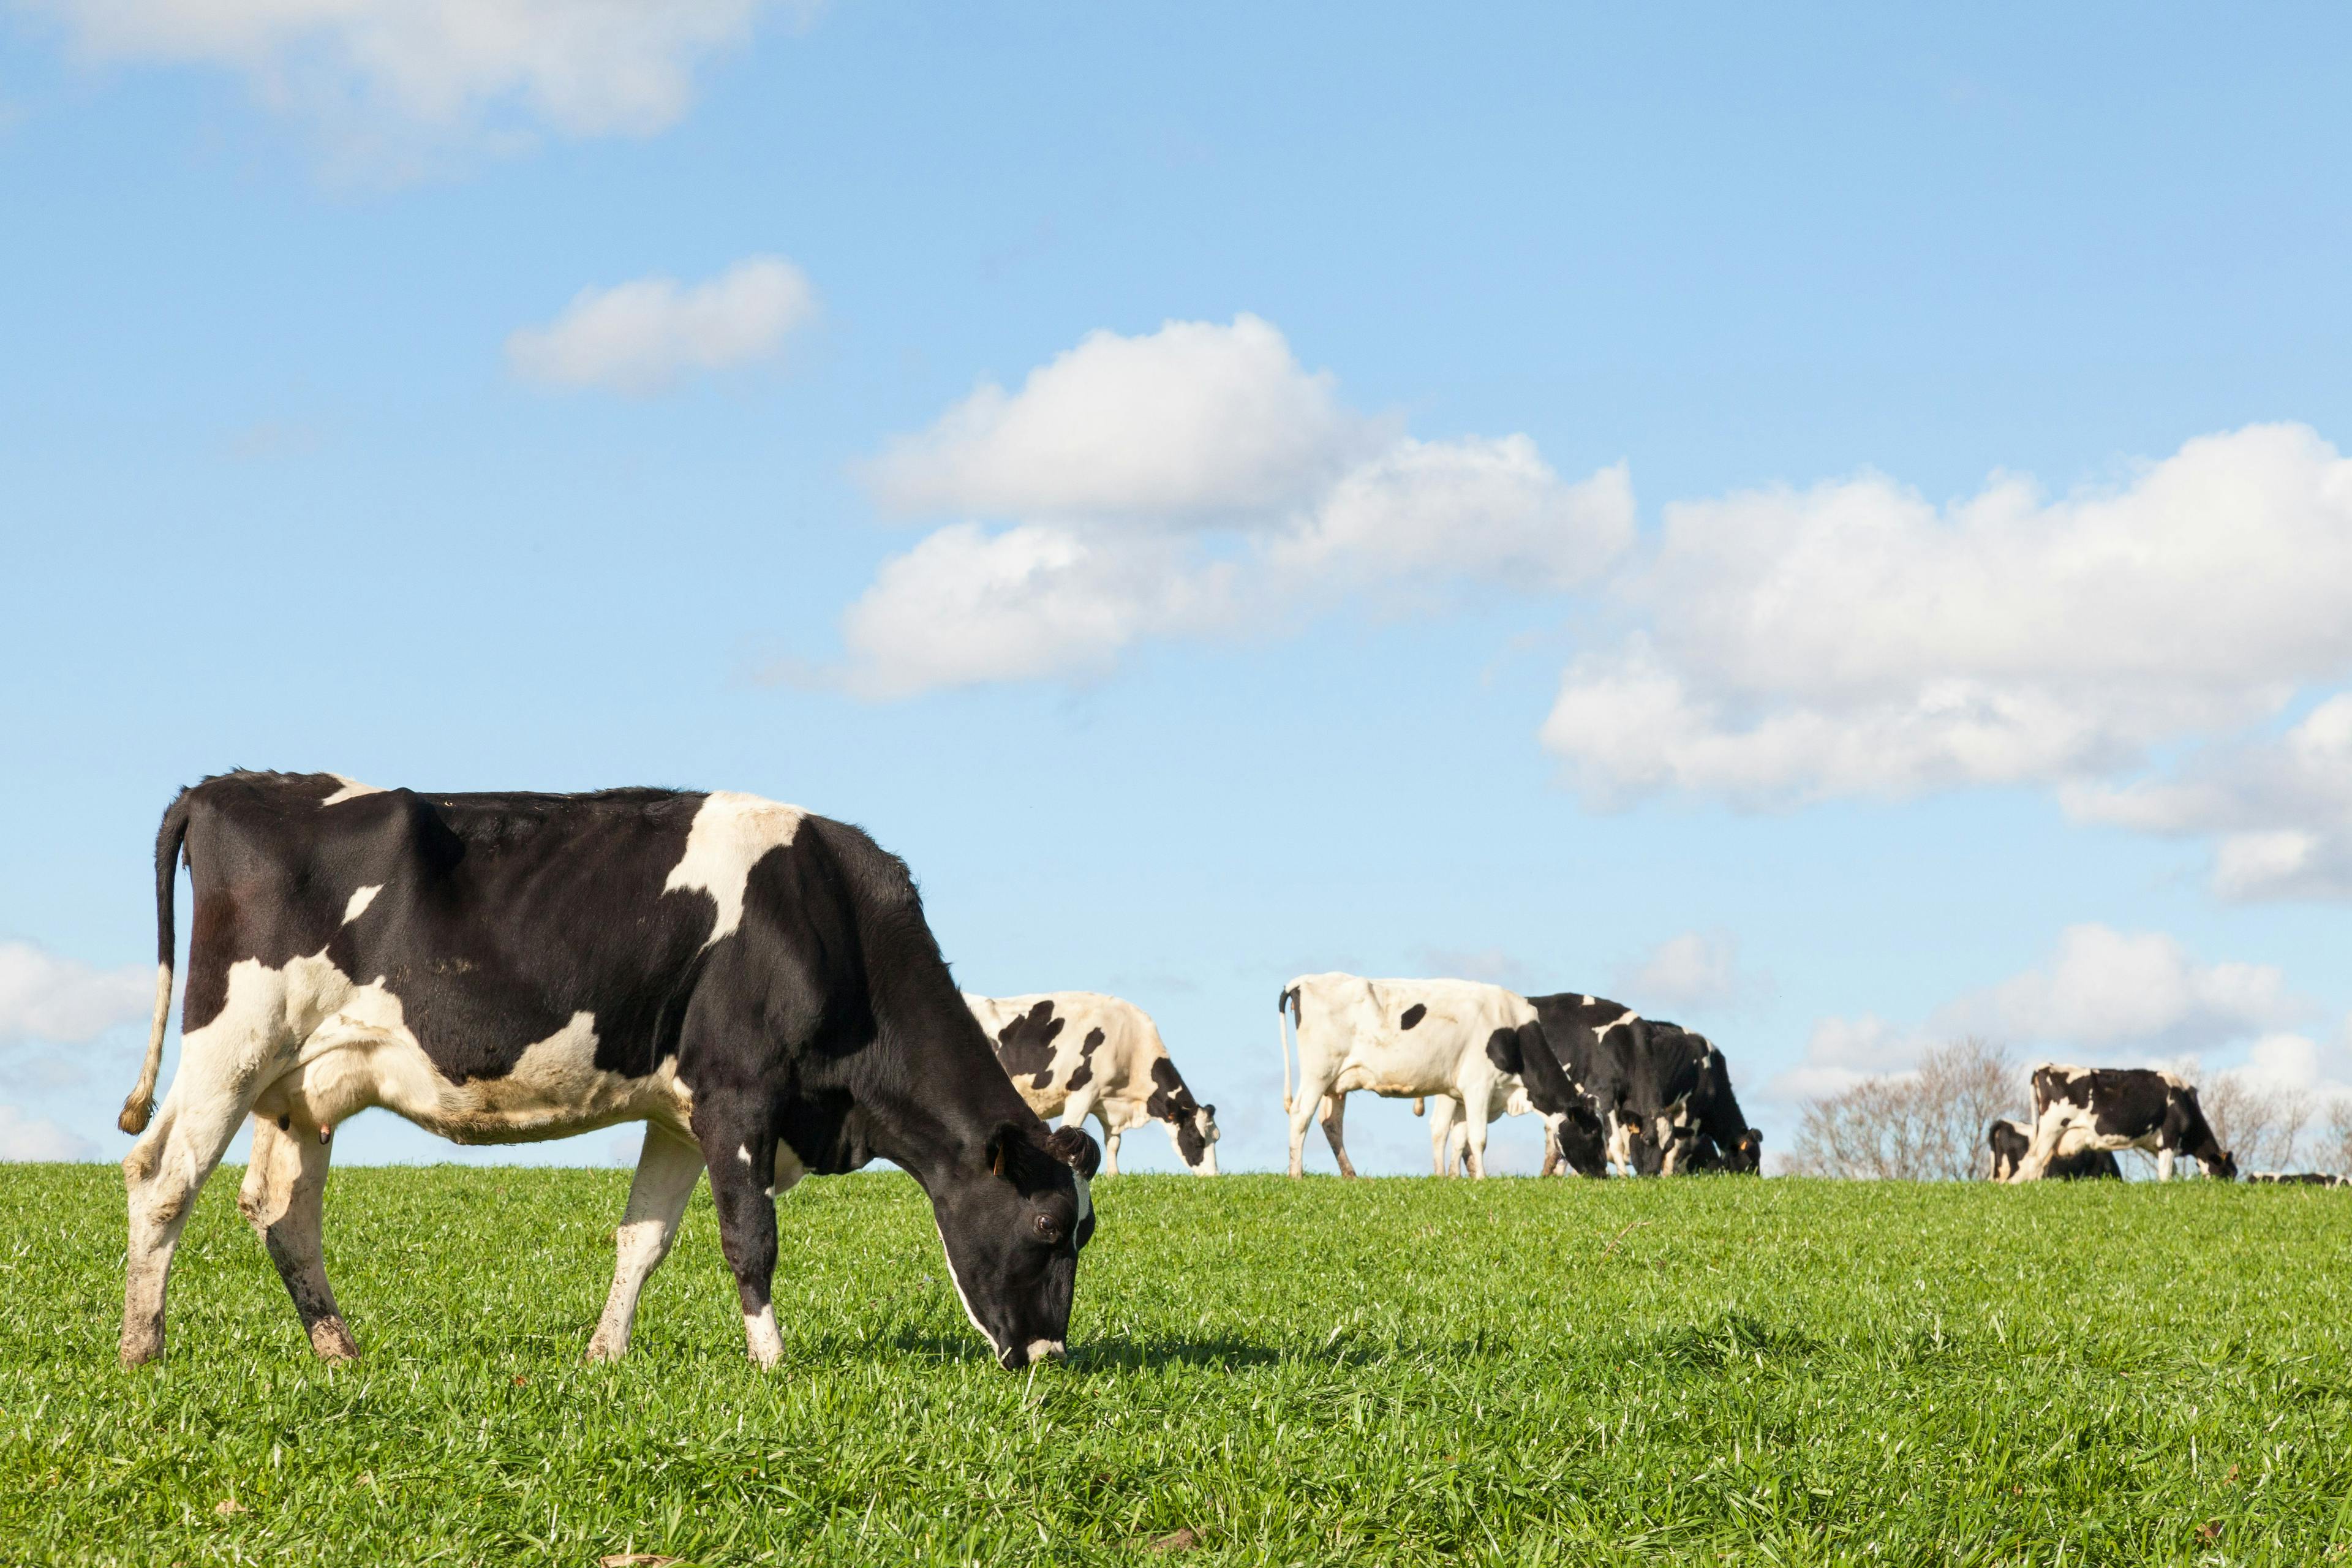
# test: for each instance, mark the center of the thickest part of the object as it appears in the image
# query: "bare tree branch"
(1926, 1125)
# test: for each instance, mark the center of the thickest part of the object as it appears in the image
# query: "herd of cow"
(759, 986)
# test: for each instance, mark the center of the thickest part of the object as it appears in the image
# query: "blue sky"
(1825, 525)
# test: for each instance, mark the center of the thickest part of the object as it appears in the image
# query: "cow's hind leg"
(1441, 1136)
(1110, 1132)
(284, 1196)
(221, 1069)
(1334, 1117)
(741, 1150)
(667, 1167)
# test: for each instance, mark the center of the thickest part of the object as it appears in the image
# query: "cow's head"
(2222, 1166)
(1012, 1231)
(1196, 1140)
(1192, 1124)
(1582, 1140)
(1634, 1145)
(1746, 1156)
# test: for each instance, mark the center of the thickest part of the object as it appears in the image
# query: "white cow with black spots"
(1075, 1054)
(1404, 1039)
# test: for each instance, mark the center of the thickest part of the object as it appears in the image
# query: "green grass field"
(1400, 1371)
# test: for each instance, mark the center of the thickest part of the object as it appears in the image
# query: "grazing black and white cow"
(1407, 1039)
(1663, 1093)
(755, 984)
(2118, 1108)
(1075, 1054)
(2300, 1179)
(2009, 1140)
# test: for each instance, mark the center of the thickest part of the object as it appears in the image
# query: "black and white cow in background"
(2299, 1179)
(1409, 1038)
(2118, 1108)
(755, 984)
(2008, 1139)
(1075, 1054)
(1663, 1093)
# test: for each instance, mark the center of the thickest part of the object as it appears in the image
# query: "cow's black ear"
(1075, 1148)
(1210, 1111)
(1004, 1146)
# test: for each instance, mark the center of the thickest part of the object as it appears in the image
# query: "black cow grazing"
(2118, 1108)
(755, 984)
(1659, 1089)
(2300, 1179)
(2008, 1141)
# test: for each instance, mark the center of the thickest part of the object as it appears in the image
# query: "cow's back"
(495, 919)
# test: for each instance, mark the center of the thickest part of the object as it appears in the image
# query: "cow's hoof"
(332, 1341)
(140, 1351)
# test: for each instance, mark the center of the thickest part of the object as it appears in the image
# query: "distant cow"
(1075, 1054)
(2300, 1179)
(2008, 1140)
(1662, 1091)
(2119, 1108)
(755, 984)
(1409, 1039)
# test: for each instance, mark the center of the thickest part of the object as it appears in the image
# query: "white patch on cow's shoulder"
(730, 835)
(360, 901)
(353, 789)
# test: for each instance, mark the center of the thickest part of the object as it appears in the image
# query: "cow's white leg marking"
(284, 1198)
(2164, 1165)
(760, 1336)
(360, 901)
(667, 1167)
(223, 1067)
(730, 833)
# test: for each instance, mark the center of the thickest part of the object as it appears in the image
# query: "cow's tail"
(1289, 1000)
(168, 839)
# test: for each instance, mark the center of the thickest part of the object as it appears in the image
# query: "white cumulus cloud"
(60, 1001)
(2280, 808)
(1195, 481)
(31, 1138)
(1856, 639)
(641, 336)
(2103, 997)
(1695, 969)
(386, 78)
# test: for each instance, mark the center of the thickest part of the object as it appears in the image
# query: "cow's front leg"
(667, 1168)
(2164, 1163)
(1335, 1119)
(741, 1155)
(284, 1197)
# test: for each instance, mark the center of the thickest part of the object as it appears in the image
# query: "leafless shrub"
(1926, 1125)
(2334, 1154)
(2261, 1126)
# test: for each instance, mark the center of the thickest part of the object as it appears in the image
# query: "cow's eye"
(1047, 1231)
